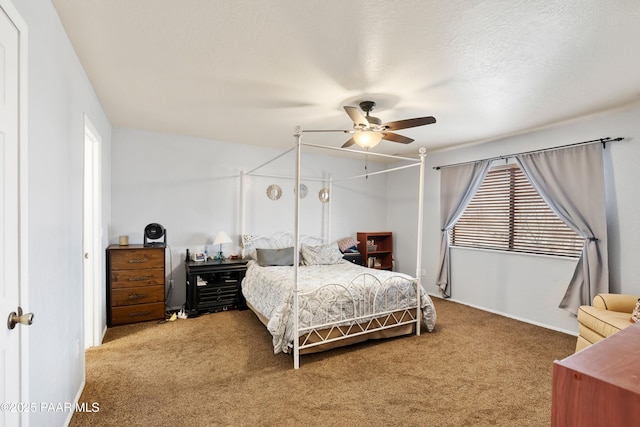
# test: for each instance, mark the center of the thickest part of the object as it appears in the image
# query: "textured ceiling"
(249, 71)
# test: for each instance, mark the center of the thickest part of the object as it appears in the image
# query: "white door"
(92, 236)
(11, 340)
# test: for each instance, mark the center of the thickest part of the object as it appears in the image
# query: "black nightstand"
(214, 286)
(354, 257)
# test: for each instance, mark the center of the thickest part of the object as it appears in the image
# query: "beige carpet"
(475, 369)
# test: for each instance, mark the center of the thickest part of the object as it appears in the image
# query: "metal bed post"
(422, 152)
(329, 203)
(296, 254)
(243, 209)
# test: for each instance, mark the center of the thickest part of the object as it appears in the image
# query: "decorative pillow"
(635, 316)
(269, 257)
(317, 255)
(346, 243)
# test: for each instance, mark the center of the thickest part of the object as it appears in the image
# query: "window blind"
(507, 213)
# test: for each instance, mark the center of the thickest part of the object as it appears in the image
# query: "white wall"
(59, 94)
(527, 286)
(192, 187)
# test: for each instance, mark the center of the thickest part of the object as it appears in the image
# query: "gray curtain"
(571, 181)
(458, 185)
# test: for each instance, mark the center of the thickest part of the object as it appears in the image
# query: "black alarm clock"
(152, 233)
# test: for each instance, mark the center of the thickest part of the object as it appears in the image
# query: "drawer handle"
(136, 296)
(139, 313)
(138, 260)
(138, 279)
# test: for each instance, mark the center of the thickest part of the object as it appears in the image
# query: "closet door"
(13, 334)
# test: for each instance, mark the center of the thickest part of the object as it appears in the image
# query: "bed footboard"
(366, 305)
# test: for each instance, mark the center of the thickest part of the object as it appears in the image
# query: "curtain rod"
(603, 141)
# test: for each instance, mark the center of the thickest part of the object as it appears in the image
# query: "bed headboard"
(251, 242)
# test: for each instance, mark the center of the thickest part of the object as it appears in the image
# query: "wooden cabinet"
(600, 385)
(376, 249)
(214, 286)
(135, 284)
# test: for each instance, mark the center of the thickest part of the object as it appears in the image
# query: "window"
(507, 213)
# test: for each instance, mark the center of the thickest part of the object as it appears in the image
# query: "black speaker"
(155, 231)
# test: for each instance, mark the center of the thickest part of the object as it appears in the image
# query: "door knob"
(15, 318)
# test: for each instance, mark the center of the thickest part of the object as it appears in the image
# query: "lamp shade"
(221, 238)
(367, 138)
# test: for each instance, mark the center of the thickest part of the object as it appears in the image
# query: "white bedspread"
(270, 291)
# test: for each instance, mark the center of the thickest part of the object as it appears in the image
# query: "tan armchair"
(609, 313)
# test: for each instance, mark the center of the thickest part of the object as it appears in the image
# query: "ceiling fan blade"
(356, 116)
(389, 136)
(410, 123)
(349, 143)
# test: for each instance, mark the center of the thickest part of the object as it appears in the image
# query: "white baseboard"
(511, 316)
(77, 398)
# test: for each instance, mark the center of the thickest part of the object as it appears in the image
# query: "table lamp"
(220, 239)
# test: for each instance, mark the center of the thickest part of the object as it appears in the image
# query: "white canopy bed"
(311, 300)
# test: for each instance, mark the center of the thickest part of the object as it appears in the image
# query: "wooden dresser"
(600, 385)
(135, 284)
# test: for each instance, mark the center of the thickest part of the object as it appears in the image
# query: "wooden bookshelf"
(376, 249)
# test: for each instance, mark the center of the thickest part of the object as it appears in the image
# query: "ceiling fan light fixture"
(367, 138)
(368, 131)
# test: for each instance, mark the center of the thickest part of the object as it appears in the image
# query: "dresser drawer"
(137, 278)
(135, 284)
(215, 293)
(137, 313)
(143, 295)
(212, 296)
(134, 259)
